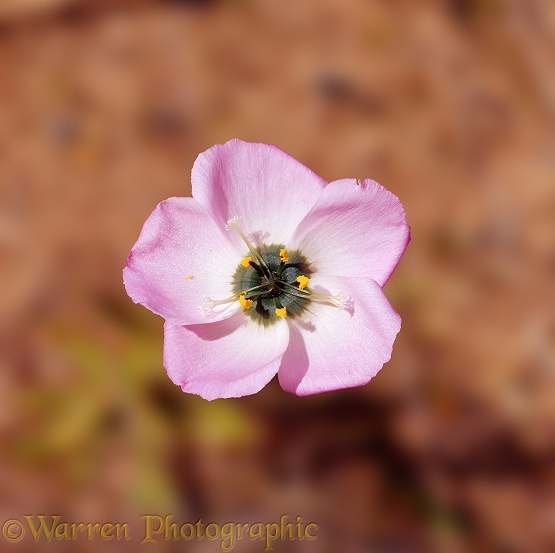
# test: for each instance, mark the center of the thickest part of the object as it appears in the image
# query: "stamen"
(281, 312)
(246, 261)
(303, 281)
(284, 255)
(244, 302)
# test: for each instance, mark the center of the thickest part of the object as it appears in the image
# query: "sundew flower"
(269, 269)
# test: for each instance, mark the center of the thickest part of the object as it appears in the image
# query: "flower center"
(272, 283)
(269, 285)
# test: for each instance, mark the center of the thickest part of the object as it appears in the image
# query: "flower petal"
(180, 259)
(229, 358)
(340, 348)
(354, 229)
(266, 188)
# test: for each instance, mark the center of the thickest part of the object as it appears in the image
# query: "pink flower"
(268, 269)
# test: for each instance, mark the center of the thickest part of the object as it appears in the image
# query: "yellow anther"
(303, 281)
(244, 302)
(246, 261)
(284, 256)
(281, 312)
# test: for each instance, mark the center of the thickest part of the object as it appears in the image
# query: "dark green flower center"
(272, 284)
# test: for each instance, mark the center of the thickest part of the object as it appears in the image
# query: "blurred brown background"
(104, 106)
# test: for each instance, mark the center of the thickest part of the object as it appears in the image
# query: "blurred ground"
(104, 106)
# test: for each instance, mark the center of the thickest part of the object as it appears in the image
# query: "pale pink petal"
(340, 348)
(229, 358)
(180, 259)
(356, 228)
(262, 185)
